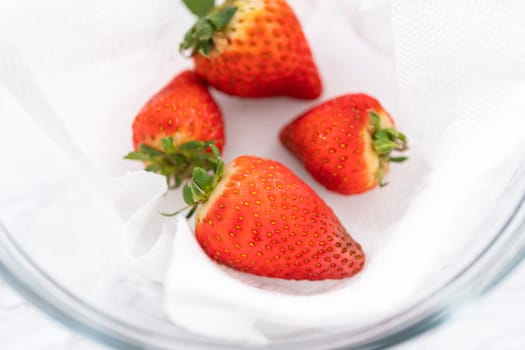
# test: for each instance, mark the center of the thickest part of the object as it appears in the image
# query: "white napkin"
(451, 73)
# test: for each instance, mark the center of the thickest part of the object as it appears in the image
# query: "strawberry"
(345, 143)
(252, 48)
(173, 131)
(257, 216)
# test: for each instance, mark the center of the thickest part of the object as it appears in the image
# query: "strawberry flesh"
(173, 132)
(261, 52)
(262, 219)
(335, 141)
(184, 110)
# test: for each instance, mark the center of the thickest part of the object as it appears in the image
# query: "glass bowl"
(72, 266)
(135, 322)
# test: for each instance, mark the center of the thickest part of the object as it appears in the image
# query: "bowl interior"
(70, 104)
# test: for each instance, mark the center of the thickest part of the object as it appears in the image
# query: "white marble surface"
(496, 322)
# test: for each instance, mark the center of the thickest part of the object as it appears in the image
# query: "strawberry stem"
(199, 7)
(211, 20)
(176, 163)
(197, 190)
(385, 141)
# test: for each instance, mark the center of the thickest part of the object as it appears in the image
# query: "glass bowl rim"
(25, 276)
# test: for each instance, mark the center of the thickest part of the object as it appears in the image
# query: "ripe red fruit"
(252, 48)
(173, 131)
(345, 143)
(257, 216)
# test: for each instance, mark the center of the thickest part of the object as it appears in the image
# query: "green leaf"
(154, 168)
(391, 132)
(385, 141)
(395, 135)
(204, 31)
(192, 145)
(178, 180)
(220, 19)
(167, 144)
(203, 179)
(187, 195)
(179, 159)
(178, 162)
(219, 167)
(197, 192)
(215, 151)
(188, 41)
(397, 159)
(219, 170)
(402, 137)
(381, 135)
(375, 120)
(199, 7)
(207, 158)
(168, 171)
(384, 146)
(206, 47)
(211, 19)
(168, 182)
(138, 156)
(149, 150)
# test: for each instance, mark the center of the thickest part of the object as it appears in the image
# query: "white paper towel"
(451, 73)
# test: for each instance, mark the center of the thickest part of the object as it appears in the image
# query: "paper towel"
(451, 73)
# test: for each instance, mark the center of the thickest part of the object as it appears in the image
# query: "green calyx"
(212, 19)
(385, 141)
(176, 163)
(198, 189)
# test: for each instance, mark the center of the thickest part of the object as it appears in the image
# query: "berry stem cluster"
(211, 20)
(176, 163)
(385, 141)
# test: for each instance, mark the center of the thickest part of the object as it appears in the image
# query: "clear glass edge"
(427, 313)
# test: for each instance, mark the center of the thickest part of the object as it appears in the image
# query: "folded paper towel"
(452, 74)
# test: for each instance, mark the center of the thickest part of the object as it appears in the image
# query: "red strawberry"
(252, 48)
(345, 143)
(173, 131)
(259, 217)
